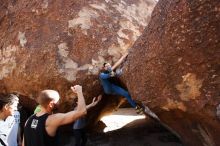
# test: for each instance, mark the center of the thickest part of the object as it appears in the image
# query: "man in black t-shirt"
(40, 129)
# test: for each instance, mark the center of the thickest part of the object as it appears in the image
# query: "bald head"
(47, 96)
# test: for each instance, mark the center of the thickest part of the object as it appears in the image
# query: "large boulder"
(174, 68)
(55, 44)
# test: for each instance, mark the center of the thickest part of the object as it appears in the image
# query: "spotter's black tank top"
(35, 133)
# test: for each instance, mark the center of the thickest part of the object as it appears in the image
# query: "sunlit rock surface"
(174, 68)
(55, 44)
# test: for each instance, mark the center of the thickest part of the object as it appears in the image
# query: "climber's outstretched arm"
(119, 61)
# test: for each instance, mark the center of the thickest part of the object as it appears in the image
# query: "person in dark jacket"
(79, 125)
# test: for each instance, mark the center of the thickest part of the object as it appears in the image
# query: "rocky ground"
(141, 132)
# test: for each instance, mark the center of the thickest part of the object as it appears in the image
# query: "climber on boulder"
(110, 88)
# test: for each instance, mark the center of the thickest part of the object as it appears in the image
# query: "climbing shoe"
(139, 110)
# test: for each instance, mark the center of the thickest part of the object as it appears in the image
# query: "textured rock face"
(174, 68)
(54, 44)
